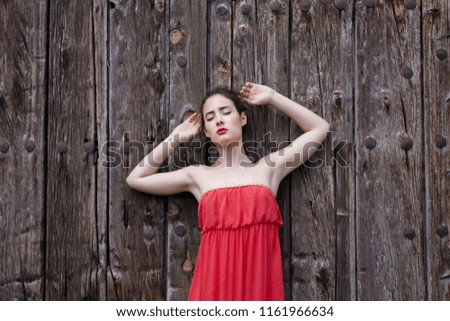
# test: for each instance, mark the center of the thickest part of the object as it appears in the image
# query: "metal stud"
(222, 10)
(246, 9)
(441, 54)
(406, 142)
(149, 233)
(89, 147)
(305, 5)
(340, 4)
(442, 230)
(409, 233)
(440, 141)
(369, 3)
(4, 148)
(30, 145)
(180, 230)
(61, 147)
(410, 4)
(182, 61)
(370, 143)
(407, 72)
(276, 7)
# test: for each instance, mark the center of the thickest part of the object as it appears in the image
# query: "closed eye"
(226, 110)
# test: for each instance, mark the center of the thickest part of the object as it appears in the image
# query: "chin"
(226, 142)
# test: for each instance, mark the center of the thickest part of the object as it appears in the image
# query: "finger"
(247, 86)
(198, 119)
(244, 92)
(192, 118)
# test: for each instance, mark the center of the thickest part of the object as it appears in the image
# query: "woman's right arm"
(144, 176)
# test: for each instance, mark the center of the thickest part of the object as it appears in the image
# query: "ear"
(243, 119)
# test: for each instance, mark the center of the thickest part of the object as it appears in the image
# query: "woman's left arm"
(303, 147)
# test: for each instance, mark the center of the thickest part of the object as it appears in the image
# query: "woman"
(239, 256)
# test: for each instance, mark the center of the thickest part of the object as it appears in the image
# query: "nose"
(219, 120)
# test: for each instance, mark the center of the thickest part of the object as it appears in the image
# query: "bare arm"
(144, 176)
(303, 147)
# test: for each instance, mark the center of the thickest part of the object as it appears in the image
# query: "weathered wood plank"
(436, 84)
(72, 251)
(137, 98)
(100, 33)
(220, 41)
(313, 83)
(23, 36)
(389, 173)
(188, 34)
(271, 126)
(334, 41)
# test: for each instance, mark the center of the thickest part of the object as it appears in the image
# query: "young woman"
(239, 256)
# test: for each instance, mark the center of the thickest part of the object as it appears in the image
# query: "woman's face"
(222, 122)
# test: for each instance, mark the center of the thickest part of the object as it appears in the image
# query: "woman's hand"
(188, 129)
(255, 94)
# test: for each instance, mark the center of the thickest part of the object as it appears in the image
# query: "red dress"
(239, 256)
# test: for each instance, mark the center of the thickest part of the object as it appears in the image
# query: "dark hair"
(227, 93)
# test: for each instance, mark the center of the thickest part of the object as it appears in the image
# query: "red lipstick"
(222, 131)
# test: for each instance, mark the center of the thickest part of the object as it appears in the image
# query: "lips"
(222, 131)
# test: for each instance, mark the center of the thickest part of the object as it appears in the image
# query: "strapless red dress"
(239, 257)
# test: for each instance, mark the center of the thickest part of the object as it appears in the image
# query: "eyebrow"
(220, 108)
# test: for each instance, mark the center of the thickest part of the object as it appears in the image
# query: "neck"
(232, 155)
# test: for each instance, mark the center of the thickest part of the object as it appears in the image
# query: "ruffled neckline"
(267, 188)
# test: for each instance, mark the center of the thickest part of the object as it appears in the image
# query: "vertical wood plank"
(271, 127)
(72, 250)
(314, 78)
(336, 83)
(220, 43)
(137, 98)
(389, 153)
(188, 34)
(436, 82)
(100, 34)
(23, 36)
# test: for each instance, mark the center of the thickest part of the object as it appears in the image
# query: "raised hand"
(255, 94)
(189, 128)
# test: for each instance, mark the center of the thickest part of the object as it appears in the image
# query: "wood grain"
(94, 146)
(72, 250)
(87, 88)
(137, 96)
(23, 56)
(389, 178)
(220, 43)
(313, 81)
(271, 127)
(436, 82)
(187, 87)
